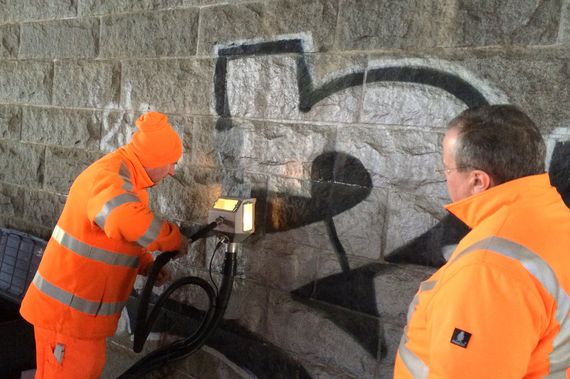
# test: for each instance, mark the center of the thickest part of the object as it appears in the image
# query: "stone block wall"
(329, 112)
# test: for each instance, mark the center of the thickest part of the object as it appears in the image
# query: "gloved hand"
(183, 249)
(162, 277)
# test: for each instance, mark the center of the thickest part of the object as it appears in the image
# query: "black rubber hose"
(144, 325)
(187, 346)
(216, 309)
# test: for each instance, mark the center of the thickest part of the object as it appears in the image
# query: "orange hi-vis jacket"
(500, 307)
(102, 239)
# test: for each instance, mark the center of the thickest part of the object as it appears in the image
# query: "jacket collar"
(141, 178)
(475, 209)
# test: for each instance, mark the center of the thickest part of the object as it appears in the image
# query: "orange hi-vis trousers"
(63, 357)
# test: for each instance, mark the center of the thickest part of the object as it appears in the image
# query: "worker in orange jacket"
(102, 240)
(500, 307)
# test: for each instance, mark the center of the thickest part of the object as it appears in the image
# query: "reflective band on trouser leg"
(95, 308)
(83, 358)
(112, 204)
(415, 366)
(91, 252)
(151, 233)
(560, 356)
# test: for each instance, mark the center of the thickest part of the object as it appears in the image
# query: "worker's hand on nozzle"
(162, 277)
(183, 249)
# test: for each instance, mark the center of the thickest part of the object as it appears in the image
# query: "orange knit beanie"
(156, 143)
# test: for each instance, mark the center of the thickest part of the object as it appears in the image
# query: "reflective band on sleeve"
(82, 305)
(112, 204)
(415, 366)
(413, 363)
(91, 252)
(543, 273)
(424, 286)
(126, 176)
(151, 233)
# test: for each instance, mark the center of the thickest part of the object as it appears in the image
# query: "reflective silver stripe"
(416, 367)
(424, 286)
(537, 267)
(413, 363)
(91, 252)
(82, 305)
(126, 176)
(151, 233)
(112, 204)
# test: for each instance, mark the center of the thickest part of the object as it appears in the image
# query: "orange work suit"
(499, 308)
(101, 241)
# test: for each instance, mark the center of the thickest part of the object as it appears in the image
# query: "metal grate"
(20, 255)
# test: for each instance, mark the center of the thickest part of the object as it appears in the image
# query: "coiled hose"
(187, 346)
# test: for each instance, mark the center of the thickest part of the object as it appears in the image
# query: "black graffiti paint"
(339, 182)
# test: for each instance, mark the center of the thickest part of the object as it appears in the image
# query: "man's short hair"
(500, 140)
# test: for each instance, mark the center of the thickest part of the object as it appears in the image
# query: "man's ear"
(480, 181)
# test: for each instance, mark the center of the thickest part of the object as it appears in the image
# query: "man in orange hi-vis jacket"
(500, 307)
(102, 240)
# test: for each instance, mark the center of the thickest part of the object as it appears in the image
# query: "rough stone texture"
(303, 212)
(25, 82)
(105, 7)
(33, 206)
(63, 165)
(287, 268)
(118, 129)
(10, 122)
(294, 327)
(316, 19)
(188, 195)
(213, 2)
(210, 364)
(502, 75)
(396, 157)
(413, 104)
(21, 163)
(535, 79)
(388, 24)
(205, 149)
(153, 34)
(337, 136)
(392, 335)
(16, 10)
(286, 149)
(226, 24)
(263, 87)
(410, 215)
(268, 87)
(405, 24)
(177, 86)
(340, 79)
(360, 229)
(16, 223)
(395, 289)
(9, 41)
(77, 38)
(87, 84)
(249, 306)
(564, 32)
(50, 126)
(505, 22)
